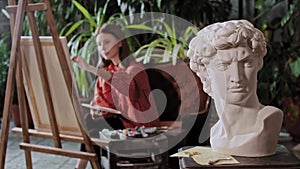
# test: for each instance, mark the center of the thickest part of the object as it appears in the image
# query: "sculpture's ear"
(197, 69)
(260, 63)
(202, 70)
(204, 76)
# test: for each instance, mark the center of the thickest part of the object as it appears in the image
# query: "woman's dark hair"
(124, 51)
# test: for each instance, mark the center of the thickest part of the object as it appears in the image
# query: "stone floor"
(15, 158)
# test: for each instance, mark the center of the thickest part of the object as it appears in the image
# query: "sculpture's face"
(233, 75)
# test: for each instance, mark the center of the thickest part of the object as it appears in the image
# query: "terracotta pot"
(292, 117)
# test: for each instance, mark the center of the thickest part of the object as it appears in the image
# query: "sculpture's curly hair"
(221, 36)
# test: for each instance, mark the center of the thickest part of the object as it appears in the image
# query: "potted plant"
(280, 77)
(171, 37)
(83, 43)
(291, 97)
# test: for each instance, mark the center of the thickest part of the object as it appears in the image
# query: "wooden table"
(282, 159)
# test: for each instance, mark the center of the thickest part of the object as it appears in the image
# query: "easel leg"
(23, 109)
(5, 126)
(11, 81)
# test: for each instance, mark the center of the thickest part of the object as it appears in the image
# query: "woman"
(122, 84)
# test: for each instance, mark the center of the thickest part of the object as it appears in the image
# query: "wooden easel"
(17, 13)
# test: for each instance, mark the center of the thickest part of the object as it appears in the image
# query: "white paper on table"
(297, 147)
(203, 155)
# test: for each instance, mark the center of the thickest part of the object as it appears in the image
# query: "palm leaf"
(74, 27)
(139, 26)
(85, 13)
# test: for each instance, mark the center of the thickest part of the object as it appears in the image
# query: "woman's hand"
(106, 75)
(80, 62)
(97, 115)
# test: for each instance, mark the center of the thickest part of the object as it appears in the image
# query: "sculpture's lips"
(237, 90)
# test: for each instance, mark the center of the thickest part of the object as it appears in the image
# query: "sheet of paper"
(204, 155)
(101, 108)
(297, 147)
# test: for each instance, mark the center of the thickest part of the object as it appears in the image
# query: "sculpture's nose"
(236, 72)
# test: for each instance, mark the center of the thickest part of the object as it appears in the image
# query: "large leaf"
(139, 26)
(295, 67)
(74, 27)
(190, 32)
(175, 53)
(288, 15)
(101, 13)
(85, 13)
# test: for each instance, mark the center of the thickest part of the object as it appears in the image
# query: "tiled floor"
(15, 158)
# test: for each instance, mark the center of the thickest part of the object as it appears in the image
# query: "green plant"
(5, 55)
(83, 43)
(280, 76)
(4, 63)
(131, 7)
(170, 40)
(63, 12)
(278, 80)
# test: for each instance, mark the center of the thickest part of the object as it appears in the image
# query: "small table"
(152, 153)
(282, 159)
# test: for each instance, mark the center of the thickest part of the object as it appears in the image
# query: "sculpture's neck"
(238, 116)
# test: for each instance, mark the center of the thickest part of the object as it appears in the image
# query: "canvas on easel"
(64, 110)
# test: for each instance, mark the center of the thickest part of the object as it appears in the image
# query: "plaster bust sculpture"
(227, 57)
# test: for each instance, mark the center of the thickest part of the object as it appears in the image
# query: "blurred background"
(278, 19)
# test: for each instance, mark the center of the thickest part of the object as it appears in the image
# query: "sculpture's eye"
(248, 63)
(223, 66)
